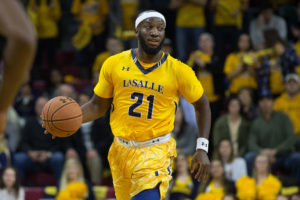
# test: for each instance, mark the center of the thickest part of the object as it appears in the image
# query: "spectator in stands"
(73, 172)
(272, 134)
(91, 36)
(190, 24)
(38, 151)
(167, 46)
(67, 90)
(295, 197)
(262, 185)
(10, 187)
(281, 60)
(232, 126)
(289, 103)
(228, 22)
(182, 186)
(56, 78)
(113, 46)
(184, 133)
(82, 146)
(239, 70)
(235, 167)
(209, 70)
(24, 102)
(249, 110)
(217, 184)
(282, 197)
(266, 20)
(45, 15)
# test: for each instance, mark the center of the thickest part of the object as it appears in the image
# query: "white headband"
(148, 14)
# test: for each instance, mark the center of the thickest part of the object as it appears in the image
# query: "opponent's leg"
(151, 194)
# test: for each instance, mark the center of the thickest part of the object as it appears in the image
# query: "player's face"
(151, 34)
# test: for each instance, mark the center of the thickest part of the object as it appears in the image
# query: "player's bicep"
(188, 84)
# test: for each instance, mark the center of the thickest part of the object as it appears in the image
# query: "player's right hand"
(46, 132)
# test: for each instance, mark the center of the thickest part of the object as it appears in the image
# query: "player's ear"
(136, 30)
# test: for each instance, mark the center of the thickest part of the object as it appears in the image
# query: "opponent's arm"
(18, 54)
(200, 157)
(95, 108)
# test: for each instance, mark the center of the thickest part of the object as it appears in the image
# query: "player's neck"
(148, 58)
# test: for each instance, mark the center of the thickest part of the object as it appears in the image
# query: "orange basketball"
(62, 116)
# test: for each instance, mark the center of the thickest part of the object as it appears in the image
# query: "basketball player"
(143, 86)
(17, 36)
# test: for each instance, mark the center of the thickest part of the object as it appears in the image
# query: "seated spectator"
(238, 70)
(55, 80)
(182, 186)
(24, 102)
(266, 20)
(232, 126)
(73, 172)
(10, 188)
(262, 185)
(184, 134)
(13, 129)
(217, 185)
(38, 151)
(272, 134)
(113, 46)
(281, 60)
(208, 68)
(235, 167)
(249, 110)
(289, 102)
(82, 146)
(229, 197)
(67, 90)
(167, 46)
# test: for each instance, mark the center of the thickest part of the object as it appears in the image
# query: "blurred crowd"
(246, 55)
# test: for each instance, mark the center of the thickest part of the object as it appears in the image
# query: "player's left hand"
(200, 165)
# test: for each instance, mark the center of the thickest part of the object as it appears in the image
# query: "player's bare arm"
(18, 54)
(95, 108)
(200, 161)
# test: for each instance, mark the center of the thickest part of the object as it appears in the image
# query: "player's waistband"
(147, 143)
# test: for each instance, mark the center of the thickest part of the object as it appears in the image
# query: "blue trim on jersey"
(151, 194)
(146, 71)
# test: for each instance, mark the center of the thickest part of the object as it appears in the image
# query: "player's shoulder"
(119, 57)
(176, 64)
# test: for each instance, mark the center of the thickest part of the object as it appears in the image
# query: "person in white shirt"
(10, 188)
(235, 167)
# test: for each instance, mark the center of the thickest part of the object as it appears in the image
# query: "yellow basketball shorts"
(137, 169)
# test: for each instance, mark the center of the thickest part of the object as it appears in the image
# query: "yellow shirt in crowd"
(276, 79)
(224, 13)
(129, 12)
(233, 61)
(205, 77)
(190, 15)
(145, 98)
(45, 17)
(183, 187)
(291, 107)
(93, 12)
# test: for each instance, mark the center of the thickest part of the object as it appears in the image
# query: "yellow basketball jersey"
(145, 99)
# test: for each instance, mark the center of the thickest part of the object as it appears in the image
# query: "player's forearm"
(18, 57)
(203, 115)
(95, 108)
